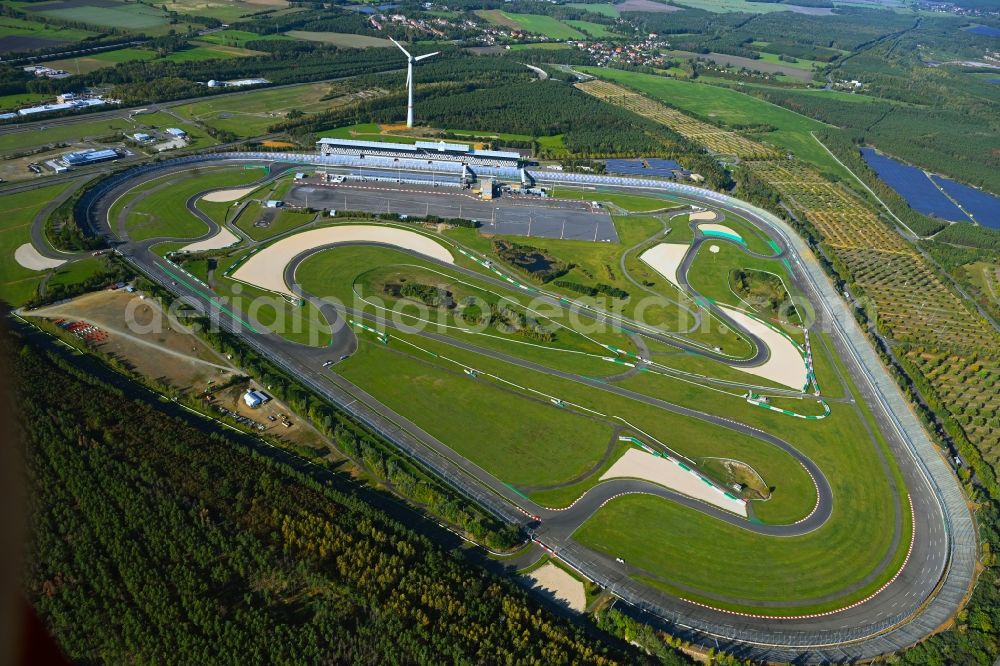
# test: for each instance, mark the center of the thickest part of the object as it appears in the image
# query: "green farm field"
(129, 16)
(12, 102)
(590, 28)
(251, 113)
(724, 106)
(237, 38)
(207, 51)
(64, 133)
(342, 39)
(535, 23)
(92, 62)
(11, 26)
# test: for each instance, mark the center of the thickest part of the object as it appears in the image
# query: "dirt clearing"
(141, 336)
(560, 585)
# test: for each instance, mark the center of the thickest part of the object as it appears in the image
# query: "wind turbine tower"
(409, 79)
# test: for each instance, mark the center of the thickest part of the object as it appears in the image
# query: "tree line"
(155, 539)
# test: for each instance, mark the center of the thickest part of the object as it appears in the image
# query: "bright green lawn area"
(542, 445)
(684, 551)
(364, 132)
(634, 203)
(696, 439)
(12, 102)
(709, 274)
(208, 52)
(730, 107)
(801, 64)
(65, 133)
(605, 10)
(237, 37)
(735, 563)
(535, 23)
(755, 239)
(332, 273)
(164, 212)
(281, 221)
(301, 323)
(553, 142)
(17, 284)
(364, 270)
(590, 28)
(77, 271)
(738, 564)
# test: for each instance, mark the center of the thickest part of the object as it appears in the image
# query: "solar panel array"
(648, 167)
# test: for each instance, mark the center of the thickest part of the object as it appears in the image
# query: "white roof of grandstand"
(497, 153)
(374, 145)
(441, 145)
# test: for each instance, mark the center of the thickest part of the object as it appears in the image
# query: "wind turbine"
(409, 78)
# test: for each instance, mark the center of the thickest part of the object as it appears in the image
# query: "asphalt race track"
(928, 590)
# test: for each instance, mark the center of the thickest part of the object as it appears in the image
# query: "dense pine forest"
(156, 541)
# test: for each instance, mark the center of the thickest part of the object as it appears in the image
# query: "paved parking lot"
(514, 215)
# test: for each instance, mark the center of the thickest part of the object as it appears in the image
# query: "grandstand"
(446, 155)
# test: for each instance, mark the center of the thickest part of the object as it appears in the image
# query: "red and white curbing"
(909, 551)
(816, 506)
(547, 549)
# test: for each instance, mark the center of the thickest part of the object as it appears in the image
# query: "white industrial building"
(254, 399)
(72, 105)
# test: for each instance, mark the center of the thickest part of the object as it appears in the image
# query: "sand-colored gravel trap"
(28, 256)
(707, 215)
(665, 259)
(224, 238)
(266, 268)
(667, 472)
(785, 365)
(225, 196)
(716, 229)
(560, 585)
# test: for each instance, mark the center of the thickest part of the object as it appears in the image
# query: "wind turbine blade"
(400, 47)
(409, 73)
(428, 55)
